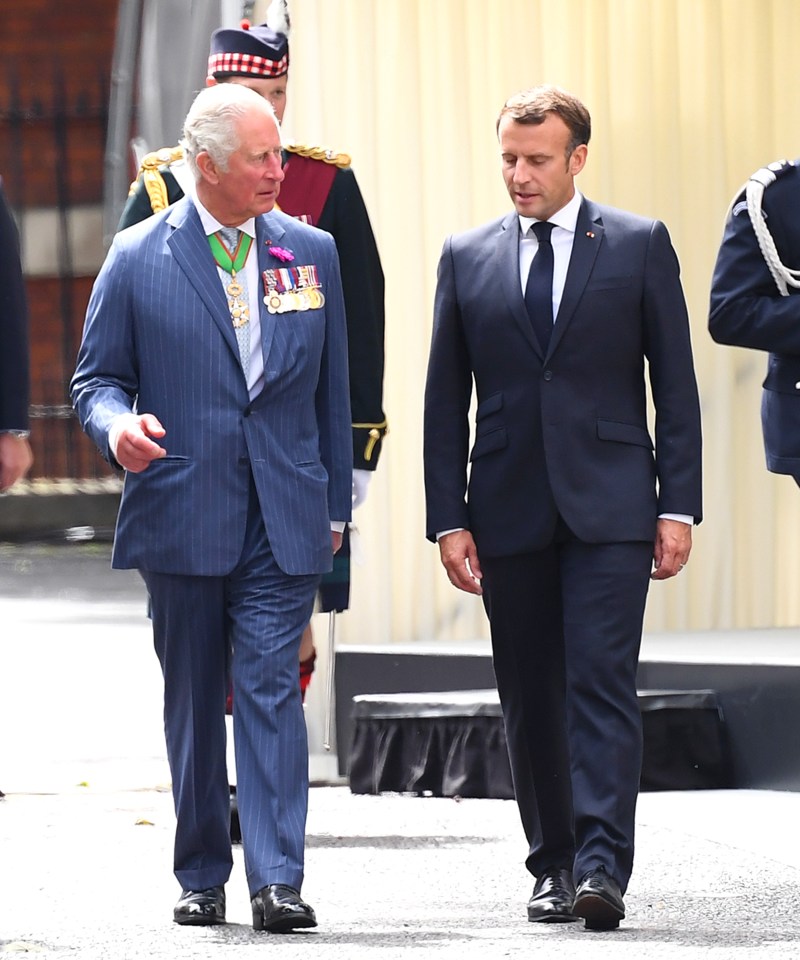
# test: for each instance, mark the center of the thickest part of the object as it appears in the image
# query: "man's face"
(537, 172)
(270, 88)
(250, 185)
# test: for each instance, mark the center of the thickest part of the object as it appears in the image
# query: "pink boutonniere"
(282, 254)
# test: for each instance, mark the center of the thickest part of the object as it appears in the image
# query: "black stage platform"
(719, 710)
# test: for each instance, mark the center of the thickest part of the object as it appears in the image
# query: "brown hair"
(533, 106)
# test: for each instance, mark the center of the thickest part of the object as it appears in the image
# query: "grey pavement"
(86, 826)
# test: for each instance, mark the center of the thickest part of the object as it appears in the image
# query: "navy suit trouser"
(258, 612)
(566, 625)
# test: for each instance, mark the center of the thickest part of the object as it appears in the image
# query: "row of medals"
(307, 298)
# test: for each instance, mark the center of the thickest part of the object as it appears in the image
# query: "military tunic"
(748, 309)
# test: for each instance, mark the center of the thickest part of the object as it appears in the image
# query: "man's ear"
(208, 169)
(577, 159)
(210, 81)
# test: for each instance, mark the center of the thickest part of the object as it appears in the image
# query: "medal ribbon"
(231, 264)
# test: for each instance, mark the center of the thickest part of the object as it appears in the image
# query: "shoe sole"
(598, 913)
(283, 924)
(553, 918)
(198, 920)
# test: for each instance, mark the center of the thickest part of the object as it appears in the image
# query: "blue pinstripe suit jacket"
(158, 339)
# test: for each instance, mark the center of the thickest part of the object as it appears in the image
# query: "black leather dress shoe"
(552, 898)
(201, 908)
(279, 909)
(598, 901)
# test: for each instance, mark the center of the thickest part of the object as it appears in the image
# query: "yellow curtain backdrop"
(688, 97)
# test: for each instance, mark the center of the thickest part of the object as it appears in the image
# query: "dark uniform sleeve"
(747, 309)
(345, 216)
(139, 207)
(14, 371)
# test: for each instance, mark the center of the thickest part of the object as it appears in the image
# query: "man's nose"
(521, 172)
(275, 169)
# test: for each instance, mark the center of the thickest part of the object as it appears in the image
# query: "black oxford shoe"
(552, 898)
(599, 901)
(201, 908)
(279, 909)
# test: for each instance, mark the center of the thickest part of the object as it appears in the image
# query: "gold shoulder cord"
(150, 175)
(319, 153)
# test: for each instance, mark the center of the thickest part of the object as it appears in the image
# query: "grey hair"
(211, 123)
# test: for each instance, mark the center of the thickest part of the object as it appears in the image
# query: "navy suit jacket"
(747, 310)
(14, 374)
(158, 339)
(566, 433)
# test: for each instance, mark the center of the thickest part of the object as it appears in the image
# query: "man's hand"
(15, 460)
(672, 548)
(336, 540)
(131, 444)
(460, 558)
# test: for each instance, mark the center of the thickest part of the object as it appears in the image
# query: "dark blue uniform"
(14, 376)
(749, 310)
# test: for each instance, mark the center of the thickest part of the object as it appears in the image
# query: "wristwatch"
(19, 434)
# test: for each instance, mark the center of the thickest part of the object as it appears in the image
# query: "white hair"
(211, 123)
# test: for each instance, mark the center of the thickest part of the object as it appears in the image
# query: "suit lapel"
(589, 232)
(507, 265)
(269, 230)
(189, 246)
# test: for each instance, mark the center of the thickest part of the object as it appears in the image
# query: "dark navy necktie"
(539, 288)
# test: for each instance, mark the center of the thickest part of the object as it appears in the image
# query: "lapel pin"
(590, 235)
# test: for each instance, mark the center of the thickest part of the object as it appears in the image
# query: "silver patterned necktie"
(242, 329)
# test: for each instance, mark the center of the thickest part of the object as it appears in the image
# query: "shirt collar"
(212, 225)
(566, 217)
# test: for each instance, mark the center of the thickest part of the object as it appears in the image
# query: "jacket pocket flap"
(490, 405)
(488, 442)
(624, 433)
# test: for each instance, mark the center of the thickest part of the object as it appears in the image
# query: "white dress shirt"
(561, 239)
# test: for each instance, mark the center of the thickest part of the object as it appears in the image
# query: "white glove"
(361, 479)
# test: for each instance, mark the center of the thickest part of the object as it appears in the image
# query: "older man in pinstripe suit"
(213, 370)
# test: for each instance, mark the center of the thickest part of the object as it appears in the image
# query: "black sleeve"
(345, 216)
(14, 361)
(747, 309)
(138, 206)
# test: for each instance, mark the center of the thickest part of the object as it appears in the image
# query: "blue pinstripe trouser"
(259, 612)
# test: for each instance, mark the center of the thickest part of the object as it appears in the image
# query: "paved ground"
(86, 826)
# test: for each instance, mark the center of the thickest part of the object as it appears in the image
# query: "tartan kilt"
(334, 588)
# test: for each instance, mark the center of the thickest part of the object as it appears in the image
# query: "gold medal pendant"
(240, 311)
(273, 302)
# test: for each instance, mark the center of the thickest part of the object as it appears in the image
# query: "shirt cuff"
(681, 517)
(443, 533)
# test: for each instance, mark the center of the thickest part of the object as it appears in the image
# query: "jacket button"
(548, 374)
(797, 385)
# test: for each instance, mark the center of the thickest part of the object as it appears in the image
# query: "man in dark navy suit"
(15, 450)
(756, 280)
(553, 312)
